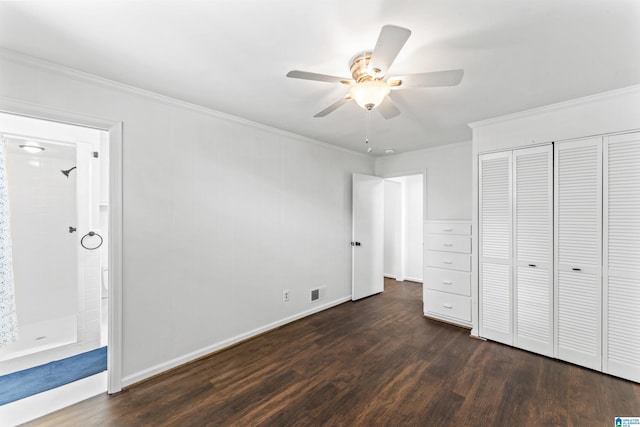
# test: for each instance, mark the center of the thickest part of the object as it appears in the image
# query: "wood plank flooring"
(374, 362)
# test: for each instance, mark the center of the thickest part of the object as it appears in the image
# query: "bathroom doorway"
(58, 185)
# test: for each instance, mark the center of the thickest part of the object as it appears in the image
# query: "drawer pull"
(532, 265)
(447, 229)
(445, 305)
(576, 269)
(447, 261)
(447, 244)
(447, 282)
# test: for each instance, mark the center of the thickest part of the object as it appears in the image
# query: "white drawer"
(439, 242)
(447, 305)
(449, 260)
(462, 228)
(455, 282)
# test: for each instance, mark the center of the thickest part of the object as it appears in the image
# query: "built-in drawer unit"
(449, 260)
(460, 244)
(444, 227)
(450, 306)
(447, 273)
(451, 281)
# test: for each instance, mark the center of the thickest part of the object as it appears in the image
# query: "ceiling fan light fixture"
(369, 93)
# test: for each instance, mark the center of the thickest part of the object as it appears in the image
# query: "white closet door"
(495, 247)
(533, 245)
(578, 250)
(621, 306)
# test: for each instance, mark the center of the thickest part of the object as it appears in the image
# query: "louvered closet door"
(533, 244)
(578, 220)
(495, 247)
(622, 256)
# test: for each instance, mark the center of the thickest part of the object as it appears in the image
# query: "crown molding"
(24, 59)
(425, 150)
(557, 106)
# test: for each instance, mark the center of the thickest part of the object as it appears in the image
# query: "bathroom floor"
(41, 336)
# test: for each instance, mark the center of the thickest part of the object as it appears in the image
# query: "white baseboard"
(413, 279)
(41, 404)
(173, 363)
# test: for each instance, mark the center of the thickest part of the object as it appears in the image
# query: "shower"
(66, 172)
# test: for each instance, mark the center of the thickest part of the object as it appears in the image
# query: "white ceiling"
(232, 56)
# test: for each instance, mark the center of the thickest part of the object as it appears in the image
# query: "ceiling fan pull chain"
(367, 129)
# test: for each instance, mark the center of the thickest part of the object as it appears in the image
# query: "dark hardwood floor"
(374, 362)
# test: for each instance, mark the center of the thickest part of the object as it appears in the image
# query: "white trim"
(475, 222)
(52, 114)
(556, 106)
(414, 152)
(41, 404)
(114, 348)
(23, 59)
(410, 172)
(162, 367)
(414, 279)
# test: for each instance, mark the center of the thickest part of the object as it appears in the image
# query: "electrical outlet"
(285, 295)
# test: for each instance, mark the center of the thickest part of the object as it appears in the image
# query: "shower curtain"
(8, 318)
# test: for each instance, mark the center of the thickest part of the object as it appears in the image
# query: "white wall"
(219, 216)
(413, 223)
(43, 206)
(448, 177)
(392, 228)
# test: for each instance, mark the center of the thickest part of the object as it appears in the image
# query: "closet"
(559, 251)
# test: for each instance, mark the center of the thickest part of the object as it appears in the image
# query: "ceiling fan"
(370, 86)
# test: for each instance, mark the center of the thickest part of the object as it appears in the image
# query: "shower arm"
(67, 172)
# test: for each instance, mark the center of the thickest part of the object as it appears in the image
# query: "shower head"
(66, 172)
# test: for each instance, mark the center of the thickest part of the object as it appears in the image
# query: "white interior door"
(496, 298)
(578, 251)
(533, 249)
(367, 236)
(621, 243)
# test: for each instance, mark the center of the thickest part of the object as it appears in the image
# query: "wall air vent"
(318, 293)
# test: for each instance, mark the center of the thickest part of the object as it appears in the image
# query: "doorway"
(58, 185)
(403, 228)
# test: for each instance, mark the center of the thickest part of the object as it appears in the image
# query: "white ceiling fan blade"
(388, 109)
(390, 41)
(430, 79)
(296, 74)
(339, 103)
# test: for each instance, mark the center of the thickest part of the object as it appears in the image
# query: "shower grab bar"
(91, 234)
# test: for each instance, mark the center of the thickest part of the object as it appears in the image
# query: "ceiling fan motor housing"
(359, 67)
